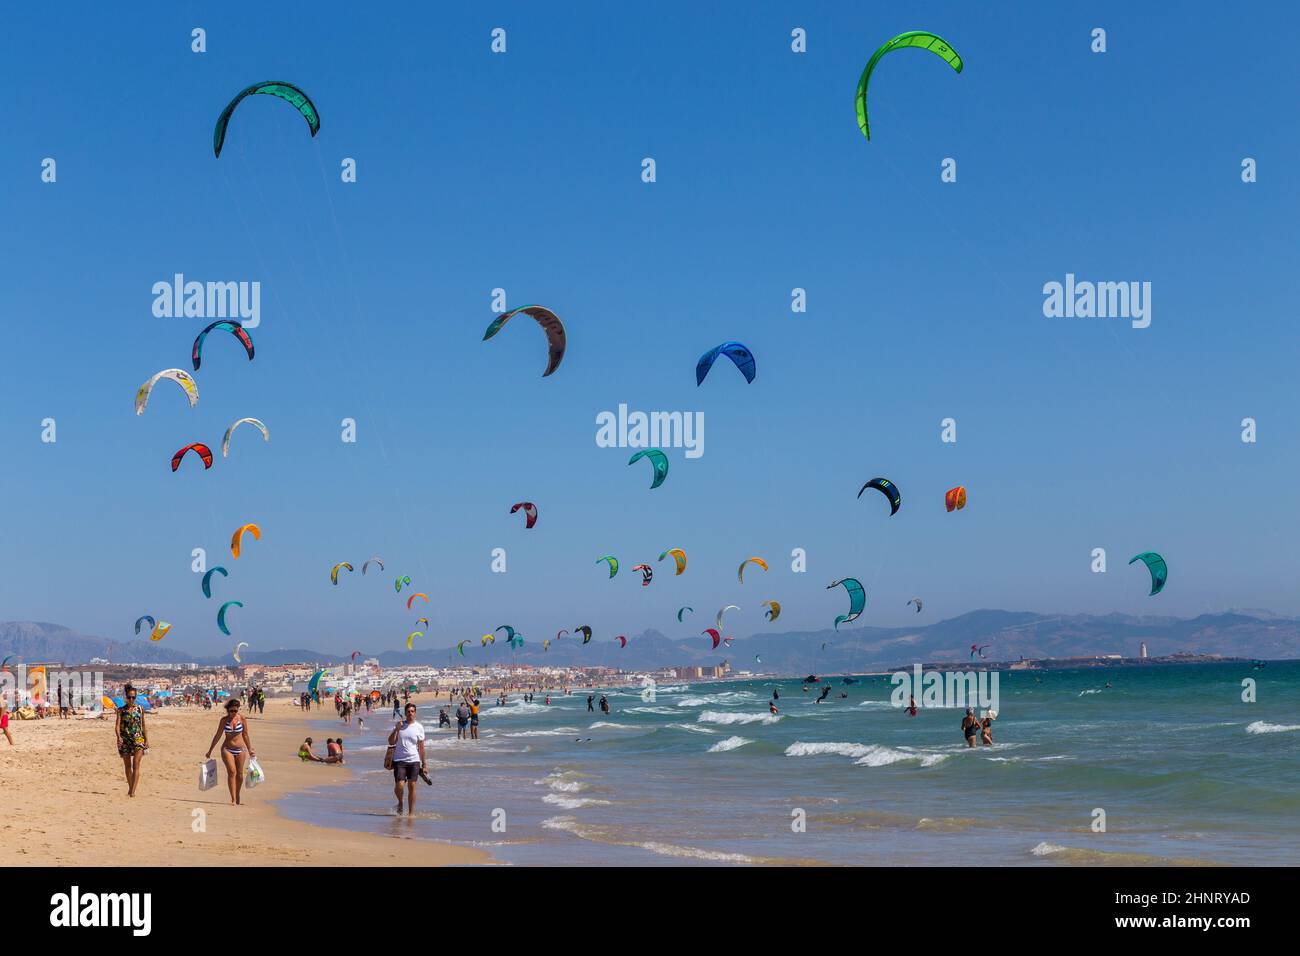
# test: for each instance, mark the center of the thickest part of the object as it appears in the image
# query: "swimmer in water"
(970, 726)
(771, 707)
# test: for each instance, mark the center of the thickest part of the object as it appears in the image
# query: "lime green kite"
(916, 38)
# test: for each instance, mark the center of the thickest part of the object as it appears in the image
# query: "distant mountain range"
(1008, 634)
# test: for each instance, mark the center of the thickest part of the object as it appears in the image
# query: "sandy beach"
(66, 804)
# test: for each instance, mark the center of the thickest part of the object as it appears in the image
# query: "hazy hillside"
(1009, 634)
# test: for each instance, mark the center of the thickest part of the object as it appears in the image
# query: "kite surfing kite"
(411, 637)
(857, 599)
(886, 488)
(978, 649)
(285, 91)
(681, 610)
(613, 563)
(1156, 565)
(355, 655)
(718, 620)
(954, 499)
(917, 602)
(225, 442)
(713, 633)
(206, 583)
(678, 555)
(647, 574)
(773, 610)
(200, 449)
(460, 648)
(585, 631)
(177, 375)
(546, 644)
(551, 325)
(226, 325)
(516, 642)
(417, 594)
(374, 560)
(160, 631)
(401, 579)
(658, 459)
(727, 641)
(913, 38)
(738, 353)
(423, 620)
(561, 632)
(237, 540)
(741, 572)
(530, 512)
(221, 615)
(238, 659)
(510, 632)
(334, 572)
(488, 639)
(141, 620)
(622, 641)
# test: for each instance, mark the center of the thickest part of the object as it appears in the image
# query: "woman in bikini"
(132, 738)
(235, 730)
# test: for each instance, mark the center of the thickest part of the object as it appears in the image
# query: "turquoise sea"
(1184, 770)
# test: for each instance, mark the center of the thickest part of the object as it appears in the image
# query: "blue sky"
(522, 171)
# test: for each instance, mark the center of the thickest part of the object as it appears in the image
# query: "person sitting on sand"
(970, 726)
(235, 730)
(305, 752)
(132, 738)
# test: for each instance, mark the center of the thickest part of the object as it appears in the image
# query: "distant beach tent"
(121, 702)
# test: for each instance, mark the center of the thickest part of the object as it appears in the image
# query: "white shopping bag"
(207, 775)
(255, 772)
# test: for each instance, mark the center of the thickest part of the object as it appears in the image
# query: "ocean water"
(1184, 770)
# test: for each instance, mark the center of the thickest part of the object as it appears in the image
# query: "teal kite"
(206, 584)
(658, 459)
(1156, 565)
(612, 561)
(285, 91)
(221, 615)
(857, 599)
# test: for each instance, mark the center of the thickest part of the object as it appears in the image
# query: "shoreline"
(66, 801)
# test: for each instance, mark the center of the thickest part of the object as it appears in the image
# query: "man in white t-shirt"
(407, 741)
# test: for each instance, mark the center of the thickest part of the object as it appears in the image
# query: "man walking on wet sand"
(409, 762)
